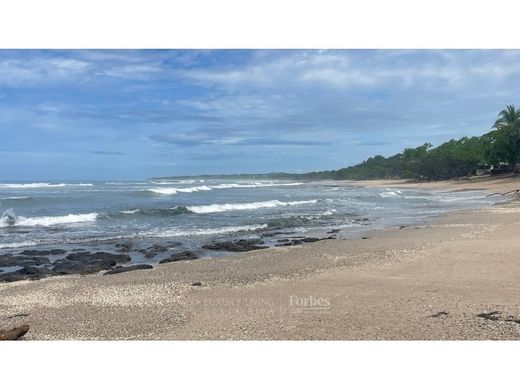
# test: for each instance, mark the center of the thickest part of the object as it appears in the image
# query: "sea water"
(98, 215)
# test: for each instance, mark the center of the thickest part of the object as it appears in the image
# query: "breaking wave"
(12, 220)
(219, 208)
(16, 198)
(42, 185)
(390, 194)
(252, 185)
(175, 190)
(202, 232)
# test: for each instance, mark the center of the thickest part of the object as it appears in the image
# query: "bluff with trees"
(454, 158)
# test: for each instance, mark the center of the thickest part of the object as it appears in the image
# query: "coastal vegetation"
(454, 158)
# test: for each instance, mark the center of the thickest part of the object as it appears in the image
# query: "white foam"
(252, 185)
(169, 182)
(11, 245)
(16, 197)
(129, 211)
(41, 185)
(174, 190)
(201, 232)
(389, 194)
(48, 221)
(219, 208)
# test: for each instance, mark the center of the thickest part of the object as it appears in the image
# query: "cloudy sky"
(136, 114)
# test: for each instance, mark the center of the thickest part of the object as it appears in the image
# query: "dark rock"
(311, 239)
(12, 277)
(149, 254)
(76, 267)
(98, 256)
(124, 246)
(492, 316)
(18, 260)
(513, 319)
(87, 263)
(35, 252)
(186, 255)
(303, 240)
(14, 334)
(242, 245)
(31, 273)
(155, 249)
(365, 238)
(158, 248)
(18, 315)
(402, 226)
(196, 284)
(135, 267)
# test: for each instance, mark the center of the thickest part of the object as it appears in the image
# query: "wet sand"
(456, 277)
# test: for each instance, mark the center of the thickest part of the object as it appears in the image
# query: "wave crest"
(48, 221)
(42, 185)
(219, 208)
(174, 190)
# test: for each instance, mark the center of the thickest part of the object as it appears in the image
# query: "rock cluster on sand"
(37, 267)
(243, 245)
(185, 255)
(120, 269)
(36, 263)
(299, 241)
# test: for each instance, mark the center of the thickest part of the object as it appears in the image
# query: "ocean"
(190, 213)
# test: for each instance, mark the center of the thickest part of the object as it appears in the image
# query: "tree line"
(454, 158)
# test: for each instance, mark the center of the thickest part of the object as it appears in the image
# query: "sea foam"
(42, 185)
(203, 232)
(174, 190)
(48, 221)
(223, 207)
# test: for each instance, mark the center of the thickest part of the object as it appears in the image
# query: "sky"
(127, 114)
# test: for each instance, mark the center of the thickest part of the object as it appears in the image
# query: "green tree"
(505, 139)
(510, 117)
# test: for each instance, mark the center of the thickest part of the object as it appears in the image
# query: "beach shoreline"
(455, 277)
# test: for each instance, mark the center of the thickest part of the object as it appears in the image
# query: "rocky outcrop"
(9, 260)
(185, 255)
(87, 263)
(129, 268)
(243, 245)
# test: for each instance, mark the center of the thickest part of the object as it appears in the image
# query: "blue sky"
(121, 114)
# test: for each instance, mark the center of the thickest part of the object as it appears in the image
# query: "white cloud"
(14, 71)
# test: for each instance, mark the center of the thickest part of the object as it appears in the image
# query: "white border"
(259, 24)
(243, 365)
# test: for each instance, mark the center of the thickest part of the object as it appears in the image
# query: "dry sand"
(421, 282)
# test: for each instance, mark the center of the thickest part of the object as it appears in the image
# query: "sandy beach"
(454, 278)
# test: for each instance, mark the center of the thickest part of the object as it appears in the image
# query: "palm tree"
(505, 139)
(508, 118)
